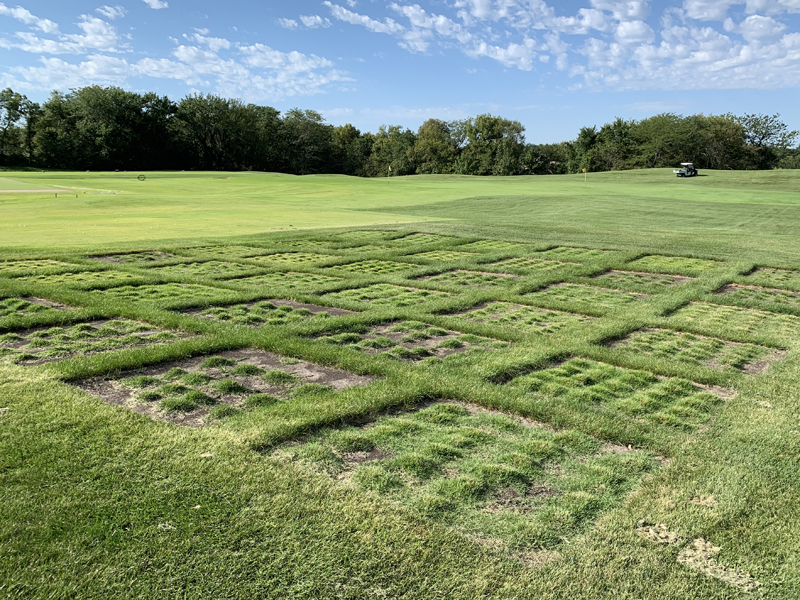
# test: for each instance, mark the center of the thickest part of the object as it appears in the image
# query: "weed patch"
(375, 267)
(630, 394)
(268, 312)
(584, 297)
(384, 294)
(638, 281)
(183, 392)
(699, 350)
(673, 264)
(489, 476)
(412, 340)
(472, 279)
(520, 317)
(41, 345)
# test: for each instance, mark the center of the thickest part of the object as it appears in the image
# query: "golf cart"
(686, 170)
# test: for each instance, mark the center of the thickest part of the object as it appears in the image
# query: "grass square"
(717, 320)
(211, 268)
(673, 264)
(164, 291)
(411, 341)
(214, 251)
(133, 258)
(26, 307)
(760, 296)
(300, 244)
(268, 312)
(698, 350)
(375, 267)
(638, 281)
(14, 267)
(442, 256)
(632, 395)
(195, 390)
(472, 279)
(293, 258)
(584, 297)
(787, 278)
(82, 278)
(52, 343)
(500, 479)
(572, 253)
(491, 246)
(363, 236)
(384, 294)
(289, 280)
(530, 265)
(527, 319)
(421, 238)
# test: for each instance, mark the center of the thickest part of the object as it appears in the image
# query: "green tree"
(434, 150)
(391, 149)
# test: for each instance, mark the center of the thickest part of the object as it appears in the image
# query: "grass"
(268, 452)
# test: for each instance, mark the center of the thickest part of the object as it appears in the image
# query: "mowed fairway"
(494, 388)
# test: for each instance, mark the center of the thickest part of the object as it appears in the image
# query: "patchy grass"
(267, 312)
(746, 294)
(528, 265)
(136, 258)
(83, 278)
(490, 246)
(673, 264)
(472, 279)
(639, 282)
(16, 267)
(384, 294)
(375, 267)
(521, 317)
(288, 280)
(442, 256)
(770, 276)
(210, 268)
(569, 253)
(713, 318)
(583, 297)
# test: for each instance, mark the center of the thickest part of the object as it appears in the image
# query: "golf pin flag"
(390, 168)
(584, 170)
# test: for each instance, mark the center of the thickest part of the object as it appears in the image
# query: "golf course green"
(255, 385)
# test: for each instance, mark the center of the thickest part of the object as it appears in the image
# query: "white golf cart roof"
(687, 164)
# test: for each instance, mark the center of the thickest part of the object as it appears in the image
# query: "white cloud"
(386, 26)
(314, 21)
(112, 12)
(634, 32)
(25, 16)
(287, 23)
(156, 4)
(214, 44)
(757, 28)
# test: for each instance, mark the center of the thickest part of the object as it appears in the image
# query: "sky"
(554, 66)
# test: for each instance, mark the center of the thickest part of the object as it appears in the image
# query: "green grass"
(268, 452)
(473, 279)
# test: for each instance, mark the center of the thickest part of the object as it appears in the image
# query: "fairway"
(252, 385)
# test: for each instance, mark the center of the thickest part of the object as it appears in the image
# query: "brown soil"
(699, 556)
(509, 499)
(732, 287)
(113, 392)
(47, 303)
(658, 534)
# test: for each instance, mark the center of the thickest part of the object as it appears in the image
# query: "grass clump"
(230, 387)
(278, 377)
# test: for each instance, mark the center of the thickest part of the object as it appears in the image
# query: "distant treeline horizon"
(108, 128)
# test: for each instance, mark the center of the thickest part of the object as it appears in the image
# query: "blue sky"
(553, 66)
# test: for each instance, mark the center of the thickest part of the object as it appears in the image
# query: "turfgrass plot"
(133, 258)
(25, 307)
(699, 350)
(300, 244)
(629, 394)
(51, 343)
(288, 281)
(411, 340)
(293, 258)
(442, 256)
(506, 482)
(362, 236)
(717, 319)
(528, 319)
(81, 278)
(570, 253)
(758, 295)
(177, 292)
(268, 312)
(14, 267)
(639, 281)
(530, 265)
(384, 294)
(211, 268)
(421, 238)
(673, 264)
(186, 391)
(375, 267)
(366, 248)
(584, 297)
(778, 277)
(491, 246)
(225, 251)
(472, 279)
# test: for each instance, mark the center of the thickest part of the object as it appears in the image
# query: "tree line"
(108, 128)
